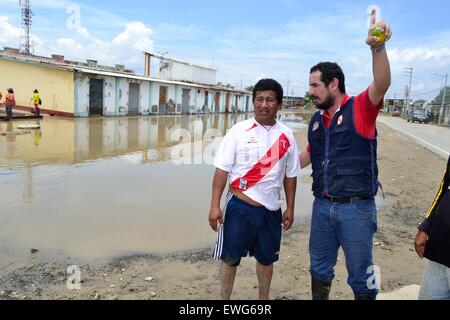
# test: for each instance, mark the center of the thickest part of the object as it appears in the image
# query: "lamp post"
(287, 92)
(242, 78)
(409, 72)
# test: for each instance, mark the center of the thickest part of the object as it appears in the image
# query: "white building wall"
(116, 98)
(179, 99)
(171, 92)
(251, 107)
(123, 97)
(190, 73)
(171, 95)
(210, 100)
(222, 101)
(144, 97)
(203, 75)
(82, 98)
(109, 96)
(232, 103)
(154, 97)
(200, 100)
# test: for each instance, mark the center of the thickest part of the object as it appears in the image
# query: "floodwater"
(103, 187)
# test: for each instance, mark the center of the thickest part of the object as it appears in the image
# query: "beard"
(327, 104)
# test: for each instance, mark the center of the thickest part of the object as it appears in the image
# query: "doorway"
(96, 97)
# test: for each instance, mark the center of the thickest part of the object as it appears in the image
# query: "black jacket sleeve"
(426, 224)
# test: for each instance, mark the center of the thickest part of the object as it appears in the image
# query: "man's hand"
(385, 32)
(288, 219)
(419, 243)
(305, 158)
(215, 218)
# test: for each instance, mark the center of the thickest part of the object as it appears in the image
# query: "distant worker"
(433, 243)
(37, 102)
(10, 103)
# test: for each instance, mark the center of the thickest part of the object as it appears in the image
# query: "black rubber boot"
(364, 297)
(320, 289)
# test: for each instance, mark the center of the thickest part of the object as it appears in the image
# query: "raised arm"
(381, 66)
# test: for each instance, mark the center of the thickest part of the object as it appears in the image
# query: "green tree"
(249, 88)
(438, 99)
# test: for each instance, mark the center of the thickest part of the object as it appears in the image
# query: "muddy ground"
(410, 175)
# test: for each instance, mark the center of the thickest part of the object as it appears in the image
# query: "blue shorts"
(248, 230)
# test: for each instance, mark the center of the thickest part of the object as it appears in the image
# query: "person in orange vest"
(36, 101)
(10, 102)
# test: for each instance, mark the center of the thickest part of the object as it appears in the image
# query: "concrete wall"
(109, 96)
(56, 87)
(144, 101)
(183, 72)
(81, 96)
(123, 97)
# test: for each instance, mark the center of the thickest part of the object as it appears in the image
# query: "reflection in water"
(100, 187)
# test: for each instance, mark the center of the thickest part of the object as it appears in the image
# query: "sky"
(246, 40)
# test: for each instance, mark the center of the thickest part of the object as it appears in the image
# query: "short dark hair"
(330, 71)
(269, 85)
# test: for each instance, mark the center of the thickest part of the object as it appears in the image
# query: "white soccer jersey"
(258, 158)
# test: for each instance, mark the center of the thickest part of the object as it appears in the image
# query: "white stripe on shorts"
(217, 252)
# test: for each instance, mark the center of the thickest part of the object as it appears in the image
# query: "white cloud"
(136, 34)
(420, 55)
(84, 32)
(125, 48)
(172, 31)
(9, 35)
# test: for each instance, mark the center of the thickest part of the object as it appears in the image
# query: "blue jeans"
(435, 282)
(8, 108)
(350, 226)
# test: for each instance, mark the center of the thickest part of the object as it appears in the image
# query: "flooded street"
(92, 189)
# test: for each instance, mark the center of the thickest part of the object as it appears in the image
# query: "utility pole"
(287, 96)
(409, 72)
(26, 45)
(441, 114)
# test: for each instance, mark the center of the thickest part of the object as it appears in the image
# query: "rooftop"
(92, 66)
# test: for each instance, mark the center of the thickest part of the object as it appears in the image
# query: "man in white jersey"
(256, 158)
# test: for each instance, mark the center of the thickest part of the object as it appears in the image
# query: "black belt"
(347, 199)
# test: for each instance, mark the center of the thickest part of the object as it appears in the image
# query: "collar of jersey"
(267, 129)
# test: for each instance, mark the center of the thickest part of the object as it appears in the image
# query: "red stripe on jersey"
(253, 127)
(263, 167)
